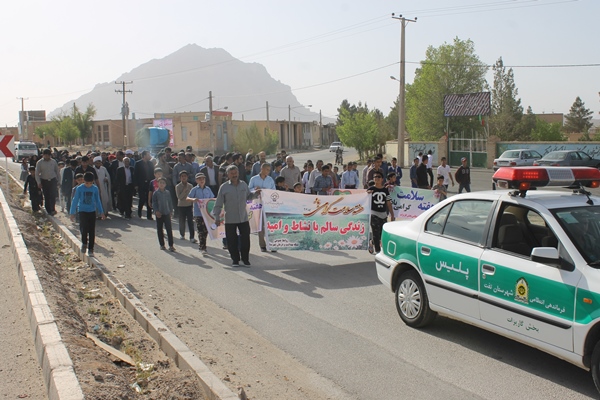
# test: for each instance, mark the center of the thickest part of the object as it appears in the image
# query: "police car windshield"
(582, 225)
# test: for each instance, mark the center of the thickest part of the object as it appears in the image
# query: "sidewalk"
(20, 372)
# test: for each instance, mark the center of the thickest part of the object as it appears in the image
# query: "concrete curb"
(57, 366)
(169, 343)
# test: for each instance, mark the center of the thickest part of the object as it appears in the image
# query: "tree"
(526, 125)
(359, 129)
(84, 121)
(67, 130)
(579, 118)
(448, 69)
(547, 132)
(252, 138)
(506, 108)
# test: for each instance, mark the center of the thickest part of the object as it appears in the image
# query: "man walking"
(125, 188)
(422, 174)
(291, 173)
(463, 176)
(262, 181)
(46, 176)
(144, 172)
(232, 197)
(211, 174)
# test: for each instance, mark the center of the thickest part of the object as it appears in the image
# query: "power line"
(500, 8)
(506, 66)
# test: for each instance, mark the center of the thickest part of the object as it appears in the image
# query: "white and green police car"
(522, 263)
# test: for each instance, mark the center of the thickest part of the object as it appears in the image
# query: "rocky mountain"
(182, 80)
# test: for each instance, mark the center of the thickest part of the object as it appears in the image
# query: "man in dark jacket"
(211, 172)
(422, 181)
(125, 187)
(143, 174)
(66, 184)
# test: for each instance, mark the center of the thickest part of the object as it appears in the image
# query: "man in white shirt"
(444, 170)
(262, 181)
(313, 175)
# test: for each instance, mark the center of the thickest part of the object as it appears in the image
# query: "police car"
(522, 263)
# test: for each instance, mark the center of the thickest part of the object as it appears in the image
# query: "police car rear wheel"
(411, 300)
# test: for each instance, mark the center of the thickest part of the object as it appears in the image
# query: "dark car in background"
(517, 158)
(572, 158)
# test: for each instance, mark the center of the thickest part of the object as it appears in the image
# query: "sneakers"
(193, 240)
(247, 263)
(204, 252)
(263, 249)
(182, 237)
(163, 248)
(235, 264)
(224, 247)
(171, 249)
(371, 249)
(90, 254)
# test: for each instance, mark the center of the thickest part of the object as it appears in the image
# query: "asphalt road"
(329, 311)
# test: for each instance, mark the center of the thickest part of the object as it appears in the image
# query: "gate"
(475, 150)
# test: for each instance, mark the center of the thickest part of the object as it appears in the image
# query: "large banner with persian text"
(253, 207)
(319, 223)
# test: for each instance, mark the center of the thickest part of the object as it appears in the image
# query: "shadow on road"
(514, 354)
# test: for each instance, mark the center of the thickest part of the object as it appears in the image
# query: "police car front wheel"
(412, 302)
(595, 367)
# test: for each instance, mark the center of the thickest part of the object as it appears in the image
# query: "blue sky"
(55, 51)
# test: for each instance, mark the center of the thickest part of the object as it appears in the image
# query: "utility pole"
(289, 127)
(268, 115)
(22, 116)
(124, 110)
(321, 128)
(210, 124)
(402, 95)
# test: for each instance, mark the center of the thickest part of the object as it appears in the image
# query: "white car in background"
(336, 145)
(517, 158)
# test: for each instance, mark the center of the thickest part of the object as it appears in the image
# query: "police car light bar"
(525, 178)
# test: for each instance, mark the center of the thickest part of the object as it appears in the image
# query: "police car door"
(529, 298)
(449, 250)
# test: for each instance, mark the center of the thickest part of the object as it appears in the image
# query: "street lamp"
(290, 108)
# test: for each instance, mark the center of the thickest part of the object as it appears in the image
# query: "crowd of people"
(89, 186)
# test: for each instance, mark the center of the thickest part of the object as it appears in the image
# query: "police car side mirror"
(545, 255)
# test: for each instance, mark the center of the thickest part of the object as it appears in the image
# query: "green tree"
(252, 138)
(84, 121)
(67, 130)
(449, 69)
(547, 132)
(526, 125)
(579, 118)
(46, 130)
(359, 130)
(506, 108)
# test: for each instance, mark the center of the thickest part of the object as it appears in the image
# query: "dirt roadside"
(20, 372)
(234, 352)
(82, 304)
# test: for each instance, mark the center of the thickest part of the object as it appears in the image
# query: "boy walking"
(200, 191)
(163, 207)
(381, 205)
(185, 206)
(87, 201)
(440, 188)
(35, 193)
